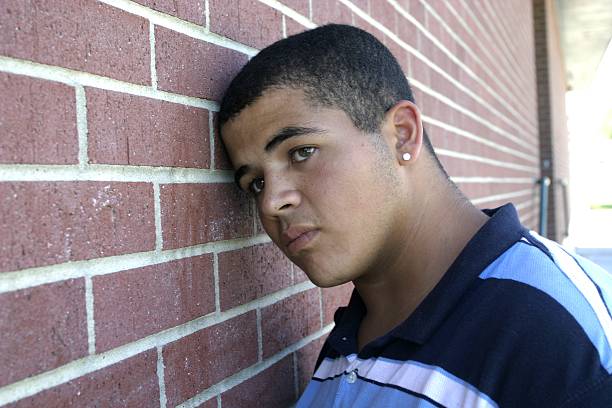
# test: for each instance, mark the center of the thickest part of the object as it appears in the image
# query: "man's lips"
(296, 238)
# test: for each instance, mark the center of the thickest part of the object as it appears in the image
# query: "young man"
(452, 306)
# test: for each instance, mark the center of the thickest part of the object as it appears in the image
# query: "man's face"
(323, 190)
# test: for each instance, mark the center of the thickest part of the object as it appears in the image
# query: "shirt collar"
(499, 233)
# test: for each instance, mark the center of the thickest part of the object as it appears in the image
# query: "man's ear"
(404, 129)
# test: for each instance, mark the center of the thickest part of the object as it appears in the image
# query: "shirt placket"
(347, 383)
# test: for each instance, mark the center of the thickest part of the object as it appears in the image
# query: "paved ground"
(591, 236)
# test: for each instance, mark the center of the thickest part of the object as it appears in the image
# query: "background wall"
(132, 271)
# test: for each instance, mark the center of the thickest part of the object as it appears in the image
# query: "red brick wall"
(132, 271)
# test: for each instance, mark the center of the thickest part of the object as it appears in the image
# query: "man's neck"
(431, 244)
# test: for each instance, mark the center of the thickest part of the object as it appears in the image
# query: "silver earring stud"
(406, 156)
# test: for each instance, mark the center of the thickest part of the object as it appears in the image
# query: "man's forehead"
(270, 112)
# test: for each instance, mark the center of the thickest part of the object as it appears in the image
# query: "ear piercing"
(406, 156)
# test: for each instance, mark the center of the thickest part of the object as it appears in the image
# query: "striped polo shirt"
(516, 321)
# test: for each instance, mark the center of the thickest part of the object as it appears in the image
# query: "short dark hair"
(335, 65)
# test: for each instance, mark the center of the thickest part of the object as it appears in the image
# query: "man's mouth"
(297, 238)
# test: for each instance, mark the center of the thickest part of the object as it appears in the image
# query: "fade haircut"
(336, 66)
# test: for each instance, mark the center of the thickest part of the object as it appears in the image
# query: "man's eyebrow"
(287, 132)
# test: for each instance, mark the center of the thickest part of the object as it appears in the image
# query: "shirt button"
(352, 377)
(344, 339)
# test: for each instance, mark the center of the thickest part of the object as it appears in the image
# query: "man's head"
(336, 66)
(317, 126)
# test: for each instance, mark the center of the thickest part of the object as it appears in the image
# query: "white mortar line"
(509, 76)
(211, 139)
(250, 372)
(525, 143)
(259, 336)
(255, 216)
(496, 62)
(504, 35)
(216, 282)
(503, 196)
(467, 26)
(284, 26)
(89, 307)
(459, 63)
(207, 15)
(109, 172)
(81, 121)
(499, 38)
(26, 278)
(163, 401)
(73, 78)
(506, 180)
(152, 53)
(296, 382)
(321, 307)
(291, 265)
(502, 58)
(289, 12)
(465, 156)
(508, 91)
(83, 366)
(219, 404)
(180, 26)
(159, 240)
(506, 73)
(310, 9)
(487, 142)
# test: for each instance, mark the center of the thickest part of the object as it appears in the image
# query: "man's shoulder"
(550, 297)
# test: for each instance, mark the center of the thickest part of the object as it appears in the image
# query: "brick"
(128, 383)
(249, 273)
(189, 10)
(290, 320)
(128, 129)
(407, 31)
(301, 6)
(206, 357)
(333, 298)
(133, 304)
(192, 67)
(247, 21)
(38, 125)
(73, 221)
(384, 13)
(272, 388)
(364, 5)
(293, 27)
(211, 403)
(306, 360)
(330, 11)
(84, 35)
(41, 328)
(198, 213)
(299, 275)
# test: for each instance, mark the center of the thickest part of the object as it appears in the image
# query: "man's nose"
(279, 196)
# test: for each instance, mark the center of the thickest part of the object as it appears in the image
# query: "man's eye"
(256, 186)
(302, 153)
